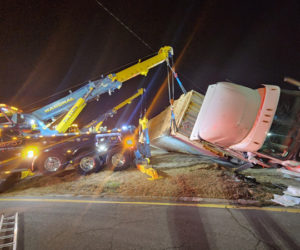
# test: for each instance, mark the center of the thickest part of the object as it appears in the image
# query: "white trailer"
(259, 126)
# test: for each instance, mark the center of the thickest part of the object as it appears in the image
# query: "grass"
(184, 176)
(111, 186)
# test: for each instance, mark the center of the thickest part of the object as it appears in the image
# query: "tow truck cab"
(12, 155)
(13, 142)
(261, 126)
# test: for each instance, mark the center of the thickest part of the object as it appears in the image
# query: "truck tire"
(87, 164)
(51, 162)
(118, 160)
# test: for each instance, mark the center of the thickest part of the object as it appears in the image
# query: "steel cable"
(125, 26)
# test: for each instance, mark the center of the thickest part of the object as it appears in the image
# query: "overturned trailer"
(261, 127)
(186, 110)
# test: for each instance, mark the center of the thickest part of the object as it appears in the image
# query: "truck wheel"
(118, 160)
(89, 164)
(51, 163)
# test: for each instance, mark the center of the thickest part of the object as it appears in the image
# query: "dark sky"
(49, 46)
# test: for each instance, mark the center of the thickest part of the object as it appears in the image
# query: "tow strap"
(173, 125)
(175, 75)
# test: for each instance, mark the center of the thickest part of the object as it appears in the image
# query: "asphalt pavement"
(85, 223)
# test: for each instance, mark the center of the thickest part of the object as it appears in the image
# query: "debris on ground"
(293, 191)
(289, 174)
(286, 200)
(291, 197)
(273, 176)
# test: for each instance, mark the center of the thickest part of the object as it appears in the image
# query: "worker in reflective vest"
(143, 150)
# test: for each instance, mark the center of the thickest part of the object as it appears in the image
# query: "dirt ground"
(183, 176)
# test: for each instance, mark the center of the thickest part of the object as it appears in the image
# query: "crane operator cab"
(9, 116)
(15, 119)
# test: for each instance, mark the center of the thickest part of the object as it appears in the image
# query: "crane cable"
(77, 85)
(172, 63)
(173, 125)
(125, 26)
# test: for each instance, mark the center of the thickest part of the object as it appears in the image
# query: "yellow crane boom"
(97, 123)
(129, 100)
(141, 68)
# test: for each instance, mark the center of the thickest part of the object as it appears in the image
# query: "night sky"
(49, 46)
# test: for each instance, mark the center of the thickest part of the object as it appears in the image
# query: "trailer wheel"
(50, 163)
(118, 160)
(88, 164)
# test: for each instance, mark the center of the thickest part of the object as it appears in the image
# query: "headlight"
(101, 148)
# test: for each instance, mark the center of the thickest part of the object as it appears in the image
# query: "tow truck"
(89, 151)
(41, 136)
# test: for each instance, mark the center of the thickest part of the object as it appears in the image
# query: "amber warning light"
(129, 142)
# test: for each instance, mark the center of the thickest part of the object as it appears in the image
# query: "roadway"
(85, 223)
